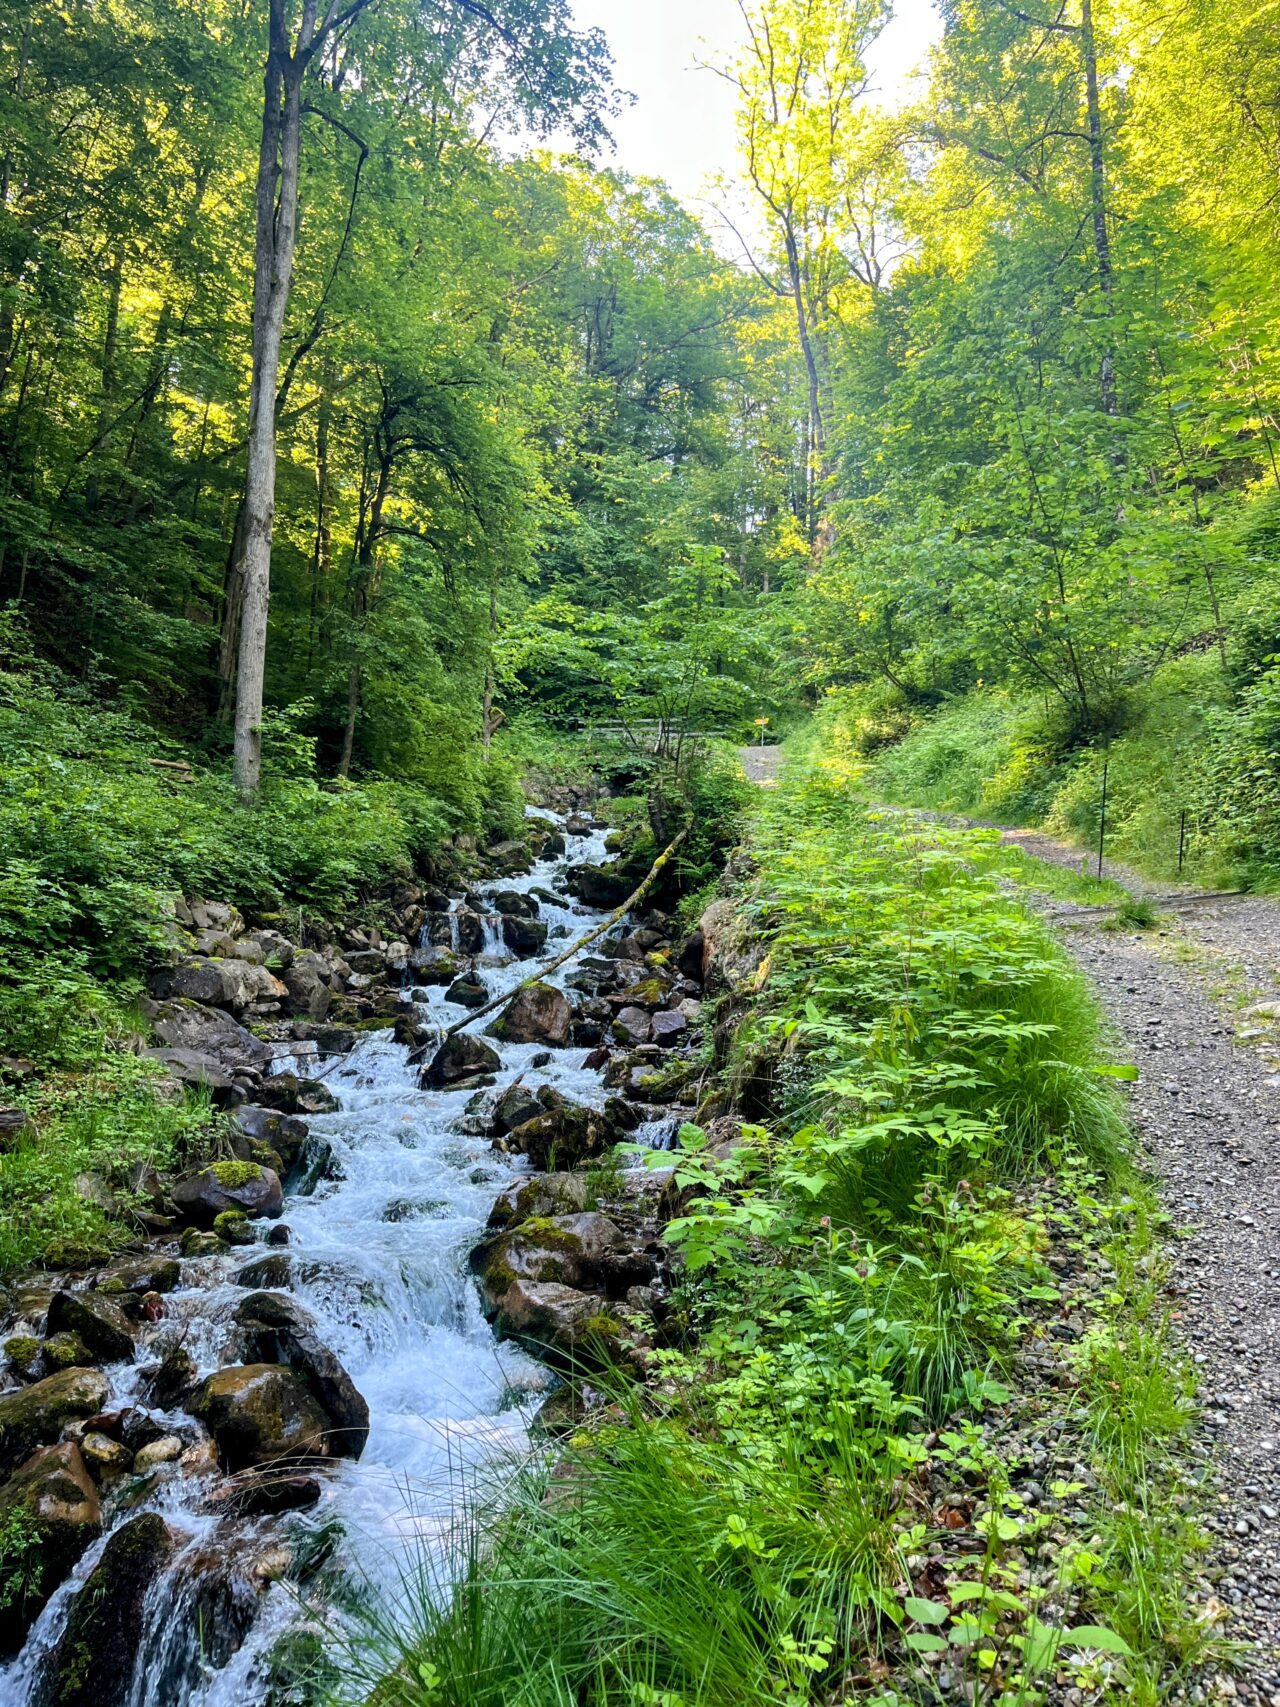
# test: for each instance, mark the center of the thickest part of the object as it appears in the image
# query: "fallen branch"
(534, 977)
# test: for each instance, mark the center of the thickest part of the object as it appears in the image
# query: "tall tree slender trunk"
(816, 446)
(1098, 199)
(275, 241)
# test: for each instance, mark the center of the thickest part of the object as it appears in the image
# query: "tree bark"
(1098, 198)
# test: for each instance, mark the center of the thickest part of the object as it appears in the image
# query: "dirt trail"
(761, 764)
(1183, 999)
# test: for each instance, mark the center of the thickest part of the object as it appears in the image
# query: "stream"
(378, 1254)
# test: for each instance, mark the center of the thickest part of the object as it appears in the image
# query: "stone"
(252, 1494)
(513, 1107)
(510, 857)
(262, 1413)
(201, 1244)
(99, 1322)
(585, 1251)
(413, 1026)
(54, 1499)
(292, 1095)
(200, 1197)
(309, 981)
(538, 1013)
(36, 1415)
(433, 965)
(65, 1351)
(107, 1459)
(199, 1072)
(458, 1058)
(172, 1379)
(233, 984)
(369, 962)
(597, 886)
(511, 903)
(467, 992)
(139, 1276)
(566, 1137)
(524, 937)
(542, 1195)
(666, 1029)
(166, 1450)
(285, 1133)
(274, 1271)
(91, 1664)
(570, 1329)
(632, 1025)
(275, 1329)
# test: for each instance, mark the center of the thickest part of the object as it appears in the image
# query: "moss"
(67, 1351)
(233, 1226)
(22, 1350)
(75, 1253)
(540, 1230)
(198, 1244)
(231, 1175)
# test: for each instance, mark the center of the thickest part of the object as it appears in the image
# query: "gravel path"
(1207, 1111)
(761, 764)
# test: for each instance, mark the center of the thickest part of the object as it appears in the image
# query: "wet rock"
(273, 1272)
(585, 1251)
(197, 1071)
(459, 1058)
(413, 1026)
(689, 957)
(518, 1104)
(253, 1494)
(142, 1275)
(172, 1379)
(53, 1499)
(436, 962)
(555, 846)
(69, 1255)
(511, 858)
(570, 1329)
(632, 1025)
(285, 1133)
(36, 1415)
(107, 1459)
(166, 1449)
(65, 1351)
(22, 1354)
(292, 1095)
(512, 904)
(539, 1013)
(261, 1413)
(667, 1029)
(568, 1136)
(202, 1244)
(368, 962)
(91, 1665)
(467, 992)
(597, 886)
(524, 937)
(278, 1330)
(543, 1195)
(202, 1196)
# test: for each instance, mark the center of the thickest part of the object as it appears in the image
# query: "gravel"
(1207, 1112)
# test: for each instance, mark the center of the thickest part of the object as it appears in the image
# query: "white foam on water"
(379, 1255)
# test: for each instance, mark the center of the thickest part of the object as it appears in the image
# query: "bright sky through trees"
(681, 127)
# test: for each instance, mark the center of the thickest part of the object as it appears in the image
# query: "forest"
(399, 496)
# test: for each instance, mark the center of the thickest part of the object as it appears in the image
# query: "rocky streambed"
(410, 1256)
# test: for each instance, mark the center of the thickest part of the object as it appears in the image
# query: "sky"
(681, 126)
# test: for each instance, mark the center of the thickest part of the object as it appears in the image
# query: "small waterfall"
(378, 1254)
(493, 945)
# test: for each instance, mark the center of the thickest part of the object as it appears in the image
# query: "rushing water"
(379, 1257)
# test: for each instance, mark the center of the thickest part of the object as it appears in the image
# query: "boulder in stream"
(524, 937)
(98, 1322)
(543, 1194)
(467, 992)
(585, 1251)
(459, 1057)
(91, 1664)
(566, 1137)
(598, 886)
(36, 1415)
(200, 1197)
(292, 1095)
(55, 1503)
(262, 1413)
(276, 1329)
(572, 1330)
(538, 1013)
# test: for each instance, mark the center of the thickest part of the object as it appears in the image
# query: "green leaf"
(925, 1642)
(1096, 1636)
(925, 1611)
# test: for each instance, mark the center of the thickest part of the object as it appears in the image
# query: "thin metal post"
(1182, 838)
(1102, 818)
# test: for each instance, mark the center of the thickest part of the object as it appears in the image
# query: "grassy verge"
(911, 1324)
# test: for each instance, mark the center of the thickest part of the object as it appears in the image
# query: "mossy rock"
(233, 1226)
(72, 1254)
(22, 1354)
(198, 1244)
(66, 1351)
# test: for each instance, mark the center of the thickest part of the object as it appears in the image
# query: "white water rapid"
(378, 1254)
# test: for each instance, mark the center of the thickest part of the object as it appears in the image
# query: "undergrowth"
(765, 1520)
